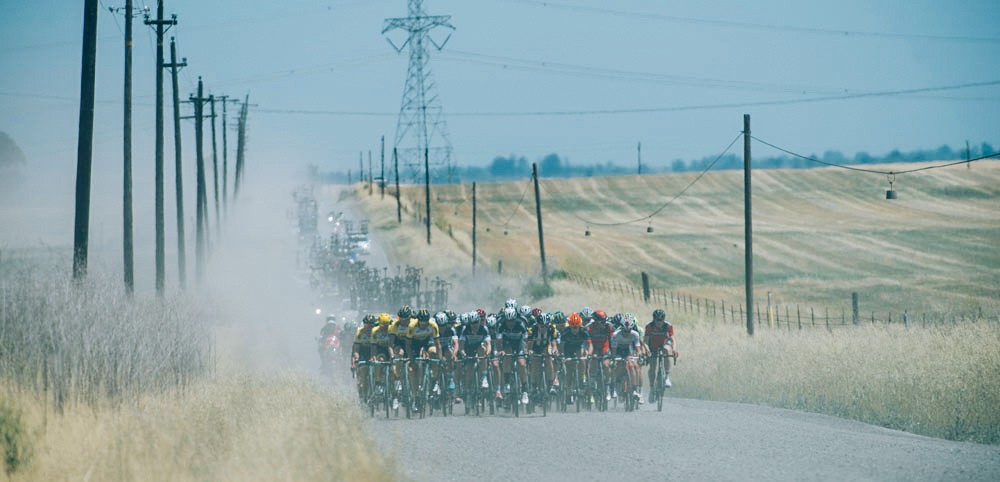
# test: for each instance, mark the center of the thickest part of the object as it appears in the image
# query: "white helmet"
(509, 313)
(491, 320)
(524, 311)
(510, 303)
(441, 318)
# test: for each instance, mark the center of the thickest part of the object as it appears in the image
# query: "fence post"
(645, 287)
(798, 314)
(741, 311)
(828, 317)
(854, 308)
(723, 311)
(499, 266)
(812, 313)
(906, 318)
(873, 317)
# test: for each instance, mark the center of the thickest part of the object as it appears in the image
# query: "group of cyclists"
(516, 356)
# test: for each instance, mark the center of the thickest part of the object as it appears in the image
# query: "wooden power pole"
(160, 25)
(128, 247)
(538, 215)
(85, 141)
(174, 66)
(748, 222)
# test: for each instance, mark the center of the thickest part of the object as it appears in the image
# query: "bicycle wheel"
(515, 391)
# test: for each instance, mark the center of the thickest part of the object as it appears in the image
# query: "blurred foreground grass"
(94, 386)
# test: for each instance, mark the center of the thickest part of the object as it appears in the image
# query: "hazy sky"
(520, 56)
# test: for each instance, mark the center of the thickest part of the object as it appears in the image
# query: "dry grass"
(818, 234)
(94, 386)
(942, 381)
(234, 428)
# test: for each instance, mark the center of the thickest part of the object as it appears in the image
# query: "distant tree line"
(514, 166)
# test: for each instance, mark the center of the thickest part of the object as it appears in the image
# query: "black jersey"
(572, 341)
(472, 337)
(511, 335)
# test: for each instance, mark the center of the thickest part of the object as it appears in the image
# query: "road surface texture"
(689, 440)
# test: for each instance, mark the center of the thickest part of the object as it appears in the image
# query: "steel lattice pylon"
(421, 123)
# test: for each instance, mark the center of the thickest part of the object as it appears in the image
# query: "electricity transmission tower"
(421, 123)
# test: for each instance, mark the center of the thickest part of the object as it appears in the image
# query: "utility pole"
(399, 206)
(361, 166)
(201, 204)
(748, 222)
(427, 186)
(538, 215)
(225, 156)
(215, 166)
(968, 165)
(381, 183)
(638, 156)
(174, 66)
(85, 141)
(371, 189)
(128, 245)
(241, 144)
(473, 229)
(160, 23)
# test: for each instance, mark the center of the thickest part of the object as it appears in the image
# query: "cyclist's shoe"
(666, 382)
(552, 389)
(524, 398)
(414, 407)
(436, 389)
(395, 404)
(608, 396)
(485, 383)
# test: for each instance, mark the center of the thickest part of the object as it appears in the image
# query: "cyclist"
(398, 331)
(626, 344)
(587, 315)
(659, 335)
(328, 343)
(575, 343)
(422, 341)
(510, 336)
(475, 342)
(448, 341)
(543, 339)
(600, 335)
(559, 321)
(362, 351)
(381, 345)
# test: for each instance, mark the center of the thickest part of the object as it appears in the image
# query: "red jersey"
(601, 337)
(656, 338)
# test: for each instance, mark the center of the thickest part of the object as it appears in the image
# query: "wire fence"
(777, 315)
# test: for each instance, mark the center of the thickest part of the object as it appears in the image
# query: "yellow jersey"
(418, 333)
(380, 336)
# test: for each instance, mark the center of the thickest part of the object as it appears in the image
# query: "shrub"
(13, 439)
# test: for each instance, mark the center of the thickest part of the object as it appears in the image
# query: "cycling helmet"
(406, 312)
(524, 311)
(509, 313)
(491, 321)
(627, 325)
(331, 319)
(659, 314)
(441, 318)
(586, 313)
(600, 315)
(547, 318)
(370, 319)
(536, 312)
(452, 316)
(464, 318)
(616, 319)
(384, 318)
(423, 314)
(481, 312)
(558, 317)
(575, 320)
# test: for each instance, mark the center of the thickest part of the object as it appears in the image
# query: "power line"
(521, 201)
(757, 26)
(669, 201)
(872, 171)
(650, 110)
(614, 74)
